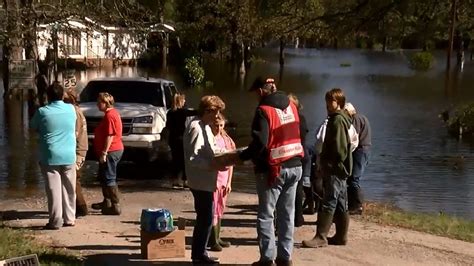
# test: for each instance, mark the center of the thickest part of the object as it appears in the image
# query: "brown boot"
(106, 203)
(322, 230)
(342, 227)
(114, 209)
(81, 205)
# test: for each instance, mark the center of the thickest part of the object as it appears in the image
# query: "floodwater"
(414, 164)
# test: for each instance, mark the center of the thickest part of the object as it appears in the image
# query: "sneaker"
(264, 263)
(206, 261)
(49, 226)
(185, 184)
(177, 186)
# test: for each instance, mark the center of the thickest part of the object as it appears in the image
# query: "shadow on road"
(134, 260)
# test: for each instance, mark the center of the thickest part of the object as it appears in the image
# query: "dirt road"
(114, 240)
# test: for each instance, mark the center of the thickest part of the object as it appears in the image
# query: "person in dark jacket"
(276, 152)
(175, 124)
(361, 157)
(306, 164)
(336, 167)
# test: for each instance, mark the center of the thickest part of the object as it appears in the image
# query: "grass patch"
(345, 65)
(16, 243)
(440, 224)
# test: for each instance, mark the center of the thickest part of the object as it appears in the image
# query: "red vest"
(284, 140)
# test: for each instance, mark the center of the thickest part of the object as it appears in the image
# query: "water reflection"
(414, 165)
(20, 173)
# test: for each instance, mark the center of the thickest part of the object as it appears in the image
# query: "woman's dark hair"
(55, 92)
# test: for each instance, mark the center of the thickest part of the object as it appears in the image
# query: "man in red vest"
(276, 151)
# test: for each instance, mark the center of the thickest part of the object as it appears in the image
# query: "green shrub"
(462, 120)
(422, 61)
(256, 59)
(193, 70)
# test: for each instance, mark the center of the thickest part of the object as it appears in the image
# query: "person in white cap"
(360, 157)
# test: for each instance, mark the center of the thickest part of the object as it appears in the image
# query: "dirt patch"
(114, 240)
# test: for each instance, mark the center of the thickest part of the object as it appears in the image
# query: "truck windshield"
(124, 91)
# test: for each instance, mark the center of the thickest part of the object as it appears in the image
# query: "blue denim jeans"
(203, 205)
(108, 170)
(335, 194)
(360, 158)
(281, 196)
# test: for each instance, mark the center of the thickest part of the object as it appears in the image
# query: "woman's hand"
(227, 190)
(103, 158)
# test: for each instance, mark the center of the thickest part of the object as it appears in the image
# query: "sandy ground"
(114, 240)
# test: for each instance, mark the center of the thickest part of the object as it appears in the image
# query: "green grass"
(345, 64)
(436, 224)
(15, 243)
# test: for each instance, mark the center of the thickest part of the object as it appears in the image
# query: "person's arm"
(199, 153)
(34, 123)
(231, 145)
(111, 133)
(228, 187)
(260, 133)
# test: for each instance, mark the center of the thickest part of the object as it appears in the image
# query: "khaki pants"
(60, 188)
(80, 201)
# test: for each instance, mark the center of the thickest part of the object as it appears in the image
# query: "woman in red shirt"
(108, 147)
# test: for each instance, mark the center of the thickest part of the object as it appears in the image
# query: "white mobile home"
(88, 40)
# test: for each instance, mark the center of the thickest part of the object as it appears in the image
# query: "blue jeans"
(203, 205)
(335, 194)
(282, 197)
(360, 158)
(108, 170)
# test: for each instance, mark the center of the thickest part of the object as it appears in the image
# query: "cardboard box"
(163, 245)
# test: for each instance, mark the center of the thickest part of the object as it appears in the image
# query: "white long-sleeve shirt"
(199, 151)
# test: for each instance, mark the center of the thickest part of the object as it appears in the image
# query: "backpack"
(353, 137)
(321, 134)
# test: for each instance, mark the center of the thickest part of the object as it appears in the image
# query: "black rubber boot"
(299, 219)
(309, 201)
(322, 230)
(224, 244)
(106, 203)
(213, 242)
(282, 262)
(342, 227)
(355, 200)
(114, 209)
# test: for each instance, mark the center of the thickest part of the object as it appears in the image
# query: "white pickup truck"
(142, 104)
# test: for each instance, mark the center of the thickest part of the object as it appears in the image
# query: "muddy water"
(414, 163)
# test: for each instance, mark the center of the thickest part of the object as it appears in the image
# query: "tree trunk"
(282, 51)
(385, 42)
(451, 34)
(55, 54)
(13, 50)
(164, 44)
(242, 59)
(13, 97)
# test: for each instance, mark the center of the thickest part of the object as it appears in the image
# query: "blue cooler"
(156, 220)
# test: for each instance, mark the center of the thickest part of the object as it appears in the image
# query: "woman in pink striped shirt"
(224, 143)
